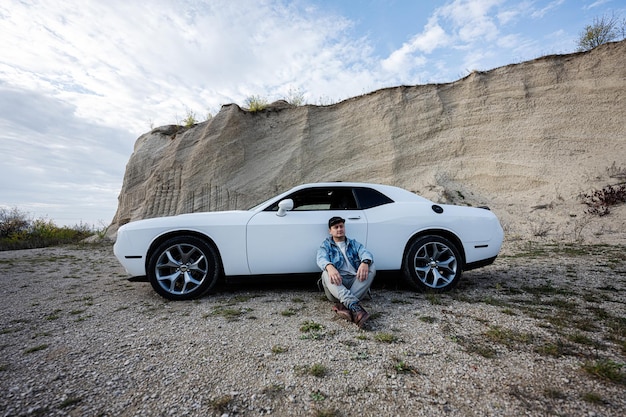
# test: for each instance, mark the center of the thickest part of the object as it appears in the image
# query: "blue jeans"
(351, 290)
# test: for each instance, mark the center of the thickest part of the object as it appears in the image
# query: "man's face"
(338, 232)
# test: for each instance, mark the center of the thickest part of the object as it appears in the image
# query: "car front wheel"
(432, 263)
(183, 268)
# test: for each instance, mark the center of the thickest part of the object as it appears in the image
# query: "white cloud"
(471, 20)
(172, 52)
(597, 4)
(411, 56)
(544, 10)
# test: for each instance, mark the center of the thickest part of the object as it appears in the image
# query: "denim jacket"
(329, 253)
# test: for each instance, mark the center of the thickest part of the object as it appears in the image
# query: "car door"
(288, 244)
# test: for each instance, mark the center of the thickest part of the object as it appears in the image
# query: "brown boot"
(342, 311)
(359, 315)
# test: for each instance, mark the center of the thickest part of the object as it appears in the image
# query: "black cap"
(334, 220)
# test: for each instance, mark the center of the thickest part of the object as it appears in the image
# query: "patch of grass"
(494, 302)
(311, 326)
(593, 398)
(230, 314)
(554, 349)
(545, 290)
(531, 250)
(276, 349)
(317, 370)
(401, 367)
(317, 396)
(386, 337)
(434, 298)
(428, 319)
(607, 370)
(54, 315)
(36, 348)
(273, 390)
(221, 403)
(312, 330)
(616, 325)
(561, 303)
(585, 324)
(326, 413)
(581, 339)
(9, 330)
(70, 402)
(475, 347)
(507, 337)
(554, 394)
(242, 298)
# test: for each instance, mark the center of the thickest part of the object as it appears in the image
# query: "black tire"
(432, 263)
(183, 268)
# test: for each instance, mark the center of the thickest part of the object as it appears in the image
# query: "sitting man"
(348, 272)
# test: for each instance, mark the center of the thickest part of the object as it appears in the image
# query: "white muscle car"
(184, 256)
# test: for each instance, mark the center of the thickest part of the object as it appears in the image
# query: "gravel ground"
(540, 332)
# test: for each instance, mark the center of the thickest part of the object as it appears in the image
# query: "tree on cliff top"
(604, 29)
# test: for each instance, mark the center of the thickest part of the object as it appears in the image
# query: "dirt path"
(540, 332)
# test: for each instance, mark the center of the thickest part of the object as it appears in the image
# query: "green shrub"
(190, 120)
(599, 201)
(12, 221)
(318, 370)
(256, 103)
(19, 231)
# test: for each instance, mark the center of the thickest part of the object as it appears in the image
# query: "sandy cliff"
(525, 139)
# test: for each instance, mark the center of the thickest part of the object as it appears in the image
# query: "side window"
(335, 198)
(369, 198)
(311, 199)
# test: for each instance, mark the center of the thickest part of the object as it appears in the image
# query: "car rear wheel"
(432, 263)
(183, 268)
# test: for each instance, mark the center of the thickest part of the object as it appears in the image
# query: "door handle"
(354, 218)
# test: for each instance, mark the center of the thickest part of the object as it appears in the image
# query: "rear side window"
(368, 198)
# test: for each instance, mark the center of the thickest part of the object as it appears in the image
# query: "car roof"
(393, 192)
(397, 194)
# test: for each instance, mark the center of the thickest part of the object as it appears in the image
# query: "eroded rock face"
(525, 139)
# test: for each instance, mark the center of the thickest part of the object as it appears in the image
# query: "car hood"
(191, 219)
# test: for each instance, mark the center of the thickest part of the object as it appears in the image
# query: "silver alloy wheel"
(181, 268)
(435, 265)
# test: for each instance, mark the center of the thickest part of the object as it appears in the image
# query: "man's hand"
(333, 275)
(362, 272)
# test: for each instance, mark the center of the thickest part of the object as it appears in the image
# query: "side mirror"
(284, 206)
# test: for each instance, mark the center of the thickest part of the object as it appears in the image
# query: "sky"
(80, 81)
